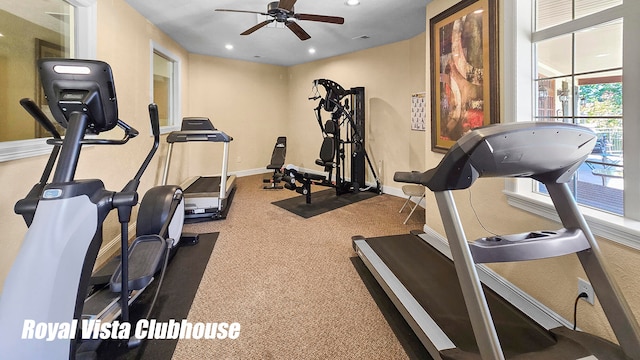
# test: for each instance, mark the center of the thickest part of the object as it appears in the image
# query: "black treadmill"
(205, 197)
(456, 307)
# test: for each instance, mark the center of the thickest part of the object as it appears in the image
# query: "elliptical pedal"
(145, 255)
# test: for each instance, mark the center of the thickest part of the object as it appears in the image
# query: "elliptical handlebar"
(155, 127)
(155, 121)
(129, 133)
(27, 206)
(34, 110)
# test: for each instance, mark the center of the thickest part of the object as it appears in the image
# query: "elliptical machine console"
(49, 280)
(77, 87)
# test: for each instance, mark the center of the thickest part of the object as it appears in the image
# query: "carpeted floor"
(295, 285)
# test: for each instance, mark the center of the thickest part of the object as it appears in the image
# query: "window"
(577, 49)
(165, 90)
(579, 80)
(31, 30)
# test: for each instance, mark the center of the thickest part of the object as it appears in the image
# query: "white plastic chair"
(411, 191)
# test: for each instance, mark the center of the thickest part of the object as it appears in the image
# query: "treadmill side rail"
(427, 330)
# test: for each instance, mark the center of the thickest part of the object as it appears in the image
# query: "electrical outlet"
(585, 287)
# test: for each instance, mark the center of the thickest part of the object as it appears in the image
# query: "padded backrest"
(327, 150)
(330, 127)
(281, 142)
(279, 153)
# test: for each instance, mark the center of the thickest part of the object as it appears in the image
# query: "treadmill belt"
(204, 184)
(432, 280)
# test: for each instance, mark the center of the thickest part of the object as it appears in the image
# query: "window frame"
(519, 64)
(84, 32)
(176, 98)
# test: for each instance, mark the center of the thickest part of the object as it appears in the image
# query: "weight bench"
(292, 176)
(277, 162)
(326, 160)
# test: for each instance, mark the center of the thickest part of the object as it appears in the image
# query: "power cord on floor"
(575, 308)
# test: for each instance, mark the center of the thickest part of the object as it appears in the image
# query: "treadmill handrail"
(198, 135)
(549, 152)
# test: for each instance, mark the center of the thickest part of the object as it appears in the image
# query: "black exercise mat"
(181, 282)
(321, 202)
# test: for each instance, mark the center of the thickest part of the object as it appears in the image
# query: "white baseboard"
(243, 173)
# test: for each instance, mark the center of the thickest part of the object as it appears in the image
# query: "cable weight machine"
(351, 119)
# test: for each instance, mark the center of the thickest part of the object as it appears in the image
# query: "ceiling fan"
(282, 11)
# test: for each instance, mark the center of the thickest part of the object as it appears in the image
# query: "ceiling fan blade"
(256, 27)
(286, 5)
(243, 11)
(320, 18)
(293, 26)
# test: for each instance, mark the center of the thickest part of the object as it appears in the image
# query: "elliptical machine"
(48, 282)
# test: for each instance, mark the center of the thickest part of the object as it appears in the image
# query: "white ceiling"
(199, 29)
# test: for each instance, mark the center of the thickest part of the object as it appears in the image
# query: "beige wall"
(551, 281)
(246, 100)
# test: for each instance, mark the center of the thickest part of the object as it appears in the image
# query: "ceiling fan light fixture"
(281, 12)
(352, 2)
(312, 51)
(228, 47)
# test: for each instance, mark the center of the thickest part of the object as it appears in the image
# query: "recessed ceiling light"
(228, 47)
(352, 2)
(1, 35)
(312, 51)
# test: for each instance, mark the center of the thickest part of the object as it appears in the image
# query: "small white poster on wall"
(418, 111)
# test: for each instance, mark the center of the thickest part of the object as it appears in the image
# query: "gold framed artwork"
(464, 71)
